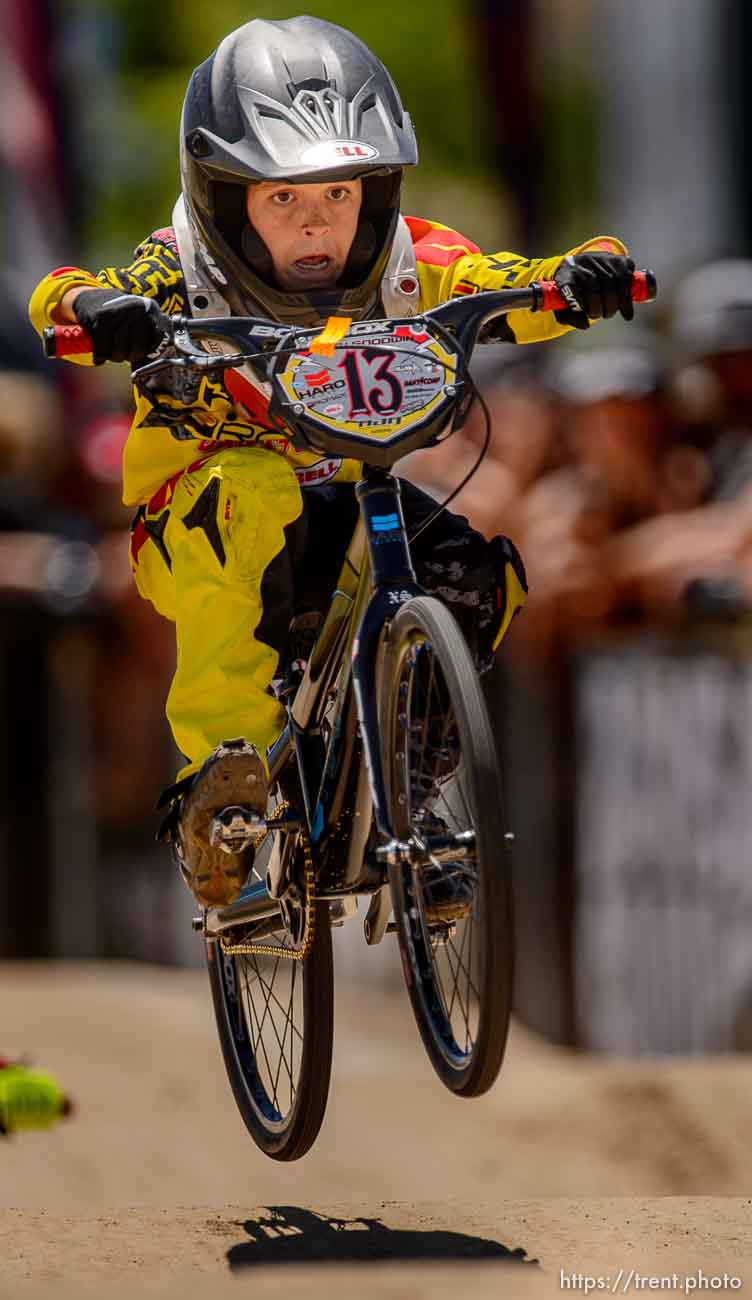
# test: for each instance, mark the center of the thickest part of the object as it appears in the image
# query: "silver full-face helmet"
(300, 100)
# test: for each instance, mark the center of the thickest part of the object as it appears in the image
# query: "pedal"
(235, 829)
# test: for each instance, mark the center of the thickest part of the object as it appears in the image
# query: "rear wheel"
(275, 1017)
(451, 901)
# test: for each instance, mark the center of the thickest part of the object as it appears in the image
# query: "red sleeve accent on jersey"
(418, 227)
(438, 247)
(165, 235)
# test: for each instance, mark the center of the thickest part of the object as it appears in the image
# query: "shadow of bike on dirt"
(291, 1235)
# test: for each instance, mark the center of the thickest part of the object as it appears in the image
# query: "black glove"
(594, 284)
(123, 326)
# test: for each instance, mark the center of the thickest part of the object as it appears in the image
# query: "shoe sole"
(234, 778)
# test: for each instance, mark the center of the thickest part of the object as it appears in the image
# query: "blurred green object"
(30, 1099)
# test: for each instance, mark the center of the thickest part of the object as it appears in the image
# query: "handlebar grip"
(66, 340)
(644, 289)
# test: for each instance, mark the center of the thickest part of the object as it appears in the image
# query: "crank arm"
(252, 904)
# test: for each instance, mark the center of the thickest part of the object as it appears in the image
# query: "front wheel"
(451, 901)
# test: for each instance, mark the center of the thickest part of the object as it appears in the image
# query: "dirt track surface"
(154, 1188)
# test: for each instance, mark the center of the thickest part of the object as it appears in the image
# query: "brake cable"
(471, 472)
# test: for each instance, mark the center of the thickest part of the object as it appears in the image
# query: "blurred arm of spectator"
(561, 525)
(652, 563)
(24, 557)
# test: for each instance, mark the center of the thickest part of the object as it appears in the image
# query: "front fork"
(394, 583)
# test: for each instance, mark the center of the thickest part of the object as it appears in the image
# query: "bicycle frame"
(377, 577)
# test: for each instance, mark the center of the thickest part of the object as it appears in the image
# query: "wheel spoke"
(263, 1017)
(293, 1028)
(464, 1006)
(456, 990)
(279, 1004)
(465, 804)
(282, 1061)
(281, 1046)
(463, 967)
(427, 714)
(258, 1042)
(287, 1013)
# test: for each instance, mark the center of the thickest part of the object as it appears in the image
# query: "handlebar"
(464, 316)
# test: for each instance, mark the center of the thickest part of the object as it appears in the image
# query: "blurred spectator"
(620, 463)
(712, 325)
(30, 425)
(701, 560)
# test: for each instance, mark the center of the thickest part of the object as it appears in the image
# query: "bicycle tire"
(289, 1135)
(421, 625)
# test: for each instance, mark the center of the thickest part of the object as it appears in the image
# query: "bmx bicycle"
(384, 782)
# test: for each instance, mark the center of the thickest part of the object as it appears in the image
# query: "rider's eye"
(283, 198)
(338, 193)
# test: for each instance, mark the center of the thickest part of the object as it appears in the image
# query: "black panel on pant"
(277, 588)
(203, 514)
(155, 528)
(331, 513)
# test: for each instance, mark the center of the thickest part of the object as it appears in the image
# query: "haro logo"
(338, 151)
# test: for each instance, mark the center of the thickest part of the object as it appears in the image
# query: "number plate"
(375, 387)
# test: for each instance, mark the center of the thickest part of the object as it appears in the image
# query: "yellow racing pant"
(202, 552)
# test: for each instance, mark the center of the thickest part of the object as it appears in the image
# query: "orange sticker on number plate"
(333, 332)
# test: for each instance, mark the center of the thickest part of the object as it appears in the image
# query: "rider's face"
(308, 229)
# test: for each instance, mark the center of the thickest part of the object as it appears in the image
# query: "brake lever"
(183, 353)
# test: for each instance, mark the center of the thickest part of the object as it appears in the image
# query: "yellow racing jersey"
(190, 416)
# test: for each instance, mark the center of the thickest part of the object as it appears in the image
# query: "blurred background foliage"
(430, 48)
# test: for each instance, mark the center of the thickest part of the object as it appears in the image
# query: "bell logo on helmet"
(334, 152)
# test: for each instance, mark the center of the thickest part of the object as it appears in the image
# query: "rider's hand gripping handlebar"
(643, 290)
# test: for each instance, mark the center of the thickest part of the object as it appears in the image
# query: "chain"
(249, 948)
